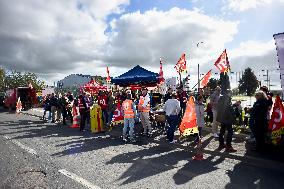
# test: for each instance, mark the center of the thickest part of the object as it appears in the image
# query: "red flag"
(205, 79)
(276, 123)
(181, 64)
(108, 77)
(161, 73)
(222, 63)
(117, 117)
(188, 125)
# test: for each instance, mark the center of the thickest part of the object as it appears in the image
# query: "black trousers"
(260, 134)
(70, 114)
(64, 114)
(229, 135)
(83, 115)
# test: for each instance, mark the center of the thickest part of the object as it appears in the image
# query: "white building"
(73, 80)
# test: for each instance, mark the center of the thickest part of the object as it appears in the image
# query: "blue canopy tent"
(136, 75)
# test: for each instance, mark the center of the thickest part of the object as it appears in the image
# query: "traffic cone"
(18, 106)
(75, 118)
(199, 154)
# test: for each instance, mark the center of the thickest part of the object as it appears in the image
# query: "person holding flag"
(200, 112)
(226, 116)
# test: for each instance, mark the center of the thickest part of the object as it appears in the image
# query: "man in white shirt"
(172, 109)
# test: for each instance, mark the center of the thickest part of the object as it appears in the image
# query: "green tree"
(16, 79)
(213, 83)
(224, 82)
(2, 80)
(248, 83)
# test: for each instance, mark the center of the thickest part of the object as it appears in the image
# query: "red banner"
(205, 79)
(108, 77)
(117, 117)
(161, 73)
(276, 123)
(181, 64)
(188, 125)
(222, 63)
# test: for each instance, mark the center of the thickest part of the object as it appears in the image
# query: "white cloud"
(254, 54)
(143, 38)
(258, 56)
(53, 36)
(244, 5)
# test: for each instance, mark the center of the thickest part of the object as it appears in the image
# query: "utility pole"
(197, 45)
(267, 77)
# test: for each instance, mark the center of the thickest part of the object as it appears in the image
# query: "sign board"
(47, 90)
(171, 82)
(279, 42)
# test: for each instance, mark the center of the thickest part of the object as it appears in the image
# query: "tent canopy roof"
(136, 75)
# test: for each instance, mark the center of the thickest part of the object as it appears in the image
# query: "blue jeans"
(128, 122)
(173, 123)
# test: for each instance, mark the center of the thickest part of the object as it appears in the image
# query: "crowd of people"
(216, 110)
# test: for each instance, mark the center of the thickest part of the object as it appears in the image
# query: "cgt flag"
(188, 125)
(222, 63)
(108, 77)
(117, 117)
(161, 73)
(205, 79)
(276, 123)
(181, 64)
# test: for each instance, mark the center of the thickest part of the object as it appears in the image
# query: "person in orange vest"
(144, 109)
(128, 108)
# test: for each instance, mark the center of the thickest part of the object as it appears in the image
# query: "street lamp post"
(198, 80)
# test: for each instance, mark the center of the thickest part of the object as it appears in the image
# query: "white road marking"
(26, 148)
(78, 179)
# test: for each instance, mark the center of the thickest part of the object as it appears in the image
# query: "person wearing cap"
(144, 109)
(214, 98)
(226, 116)
(172, 109)
(128, 108)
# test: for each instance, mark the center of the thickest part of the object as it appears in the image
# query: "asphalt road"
(35, 154)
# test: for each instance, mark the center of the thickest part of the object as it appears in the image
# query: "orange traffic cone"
(199, 154)
(75, 118)
(18, 106)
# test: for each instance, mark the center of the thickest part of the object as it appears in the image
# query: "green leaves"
(14, 79)
(248, 83)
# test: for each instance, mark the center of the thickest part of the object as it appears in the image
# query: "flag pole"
(198, 82)
(180, 79)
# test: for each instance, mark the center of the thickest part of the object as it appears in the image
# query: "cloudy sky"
(58, 37)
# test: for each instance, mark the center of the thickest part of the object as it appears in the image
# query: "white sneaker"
(124, 139)
(215, 135)
(174, 141)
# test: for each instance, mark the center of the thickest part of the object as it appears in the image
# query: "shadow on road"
(157, 158)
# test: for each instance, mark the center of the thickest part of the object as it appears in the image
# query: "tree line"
(14, 79)
(247, 84)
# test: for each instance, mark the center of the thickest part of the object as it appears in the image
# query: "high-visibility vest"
(141, 102)
(127, 108)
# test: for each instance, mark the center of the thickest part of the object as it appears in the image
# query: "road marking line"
(26, 148)
(78, 179)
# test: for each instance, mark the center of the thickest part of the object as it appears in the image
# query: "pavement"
(37, 154)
